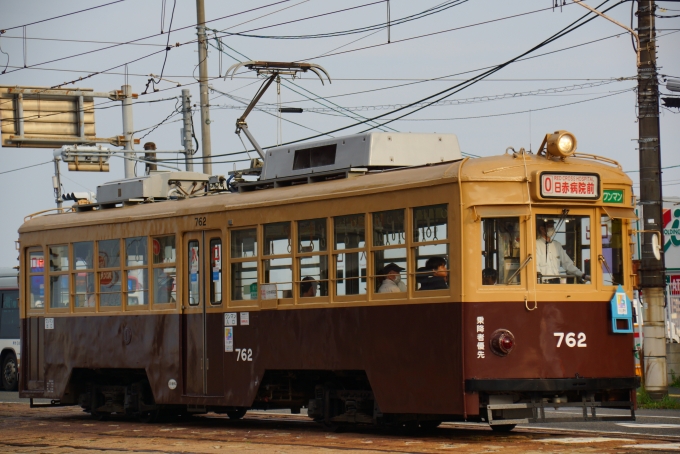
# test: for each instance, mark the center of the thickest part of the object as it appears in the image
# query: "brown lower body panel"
(412, 355)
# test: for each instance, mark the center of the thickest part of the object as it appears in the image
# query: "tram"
(180, 293)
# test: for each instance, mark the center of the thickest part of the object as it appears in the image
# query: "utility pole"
(128, 131)
(206, 148)
(188, 130)
(652, 271)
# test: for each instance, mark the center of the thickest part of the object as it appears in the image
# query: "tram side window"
(430, 233)
(350, 255)
(59, 277)
(36, 266)
(244, 264)
(194, 265)
(136, 272)
(389, 251)
(84, 282)
(313, 261)
(278, 269)
(500, 251)
(110, 288)
(611, 259)
(562, 249)
(164, 270)
(215, 271)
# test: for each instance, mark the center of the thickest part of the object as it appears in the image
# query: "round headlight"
(561, 144)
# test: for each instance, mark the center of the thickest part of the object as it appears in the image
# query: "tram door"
(202, 333)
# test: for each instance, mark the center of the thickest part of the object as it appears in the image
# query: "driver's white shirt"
(549, 257)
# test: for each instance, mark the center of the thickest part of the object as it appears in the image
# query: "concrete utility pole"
(128, 130)
(188, 130)
(56, 179)
(206, 148)
(652, 271)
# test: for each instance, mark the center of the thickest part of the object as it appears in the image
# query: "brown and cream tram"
(276, 296)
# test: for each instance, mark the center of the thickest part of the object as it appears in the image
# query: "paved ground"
(69, 430)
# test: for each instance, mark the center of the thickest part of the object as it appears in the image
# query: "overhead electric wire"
(27, 167)
(459, 87)
(62, 15)
(377, 27)
(167, 49)
(147, 37)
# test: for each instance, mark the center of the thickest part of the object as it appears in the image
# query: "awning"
(620, 212)
(500, 211)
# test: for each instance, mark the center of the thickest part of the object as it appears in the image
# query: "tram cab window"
(36, 268)
(611, 259)
(312, 259)
(59, 277)
(84, 282)
(562, 249)
(278, 267)
(110, 286)
(350, 255)
(389, 251)
(136, 273)
(244, 264)
(500, 250)
(430, 235)
(164, 270)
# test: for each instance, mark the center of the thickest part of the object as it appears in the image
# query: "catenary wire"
(63, 15)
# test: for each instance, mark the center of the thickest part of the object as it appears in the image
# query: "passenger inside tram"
(489, 276)
(392, 282)
(434, 275)
(553, 264)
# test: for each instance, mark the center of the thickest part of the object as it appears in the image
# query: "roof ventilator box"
(155, 186)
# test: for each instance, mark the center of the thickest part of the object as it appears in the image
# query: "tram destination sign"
(565, 185)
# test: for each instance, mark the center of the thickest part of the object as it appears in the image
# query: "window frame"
(297, 266)
(100, 269)
(51, 274)
(75, 272)
(231, 302)
(371, 275)
(125, 269)
(413, 291)
(152, 276)
(29, 275)
(261, 273)
(334, 253)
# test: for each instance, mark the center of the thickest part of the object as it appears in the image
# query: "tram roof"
(488, 169)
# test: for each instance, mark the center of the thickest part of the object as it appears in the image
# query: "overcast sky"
(582, 86)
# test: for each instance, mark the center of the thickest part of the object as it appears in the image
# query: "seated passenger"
(489, 276)
(434, 275)
(308, 287)
(392, 279)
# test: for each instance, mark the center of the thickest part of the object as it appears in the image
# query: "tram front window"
(500, 251)
(562, 249)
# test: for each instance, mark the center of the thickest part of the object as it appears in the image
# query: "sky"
(582, 82)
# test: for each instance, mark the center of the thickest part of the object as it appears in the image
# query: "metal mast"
(206, 147)
(652, 271)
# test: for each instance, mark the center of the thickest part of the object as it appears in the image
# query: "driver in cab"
(550, 256)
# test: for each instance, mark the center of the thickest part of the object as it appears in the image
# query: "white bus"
(9, 328)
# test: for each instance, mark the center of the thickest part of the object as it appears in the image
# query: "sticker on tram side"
(245, 318)
(228, 338)
(480, 337)
(49, 323)
(571, 339)
(230, 319)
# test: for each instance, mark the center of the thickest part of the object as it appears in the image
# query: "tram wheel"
(503, 427)
(148, 417)
(237, 414)
(100, 415)
(427, 425)
(10, 376)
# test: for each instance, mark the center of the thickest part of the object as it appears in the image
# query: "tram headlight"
(561, 144)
